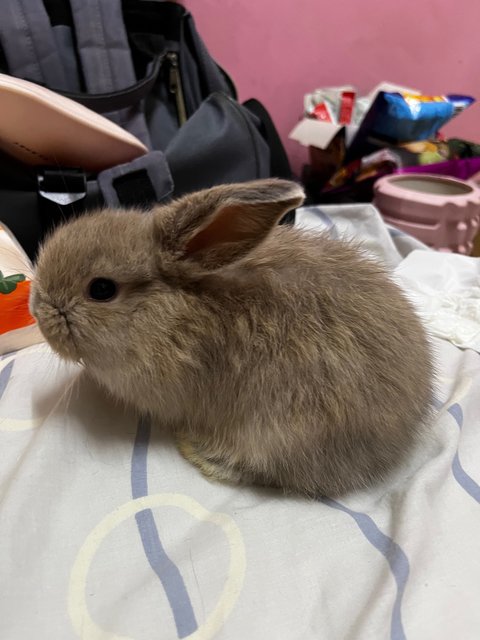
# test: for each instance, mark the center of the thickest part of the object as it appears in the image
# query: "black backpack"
(142, 64)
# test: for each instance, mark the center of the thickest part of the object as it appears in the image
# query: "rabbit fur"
(275, 356)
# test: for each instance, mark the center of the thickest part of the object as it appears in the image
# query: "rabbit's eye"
(102, 289)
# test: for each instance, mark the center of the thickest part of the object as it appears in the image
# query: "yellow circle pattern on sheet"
(82, 622)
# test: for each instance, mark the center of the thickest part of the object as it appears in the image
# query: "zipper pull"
(175, 87)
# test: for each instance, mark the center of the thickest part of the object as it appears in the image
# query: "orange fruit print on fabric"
(14, 295)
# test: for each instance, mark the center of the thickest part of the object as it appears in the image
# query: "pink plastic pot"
(476, 179)
(442, 212)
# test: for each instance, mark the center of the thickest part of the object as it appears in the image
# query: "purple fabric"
(462, 169)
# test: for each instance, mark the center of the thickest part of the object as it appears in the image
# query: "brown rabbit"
(275, 356)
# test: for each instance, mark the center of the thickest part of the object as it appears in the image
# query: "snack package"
(463, 148)
(423, 152)
(396, 118)
(405, 118)
(354, 139)
(378, 163)
(322, 112)
(331, 104)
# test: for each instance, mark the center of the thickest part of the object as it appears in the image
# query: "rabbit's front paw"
(209, 467)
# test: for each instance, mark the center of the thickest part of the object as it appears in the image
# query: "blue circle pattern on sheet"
(169, 574)
(172, 580)
(393, 554)
(461, 476)
(166, 570)
(5, 374)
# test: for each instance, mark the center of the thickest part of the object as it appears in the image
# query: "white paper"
(310, 132)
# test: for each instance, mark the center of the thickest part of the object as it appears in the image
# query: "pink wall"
(277, 50)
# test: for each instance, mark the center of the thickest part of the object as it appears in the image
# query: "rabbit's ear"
(217, 226)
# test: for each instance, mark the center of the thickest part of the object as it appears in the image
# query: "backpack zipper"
(175, 87)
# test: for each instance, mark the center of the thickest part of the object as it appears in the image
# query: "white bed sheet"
(107, 533)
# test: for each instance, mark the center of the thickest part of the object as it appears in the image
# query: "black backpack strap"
(102, 45)
(138, 183)
(123, 99)
(29, 44)
(106, 59)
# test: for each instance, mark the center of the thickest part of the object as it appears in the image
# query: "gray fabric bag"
(142, 64)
